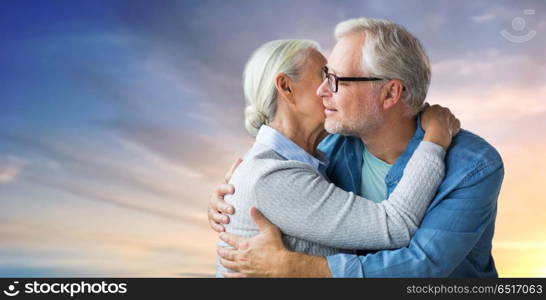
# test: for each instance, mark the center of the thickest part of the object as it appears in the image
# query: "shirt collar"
(397, 170)
(283, 146)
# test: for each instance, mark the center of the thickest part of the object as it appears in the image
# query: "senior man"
(372, 138)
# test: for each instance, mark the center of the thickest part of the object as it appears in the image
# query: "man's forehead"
(347, 65)
(346, 55)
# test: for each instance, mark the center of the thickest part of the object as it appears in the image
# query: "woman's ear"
(284, 88)
(391, 93)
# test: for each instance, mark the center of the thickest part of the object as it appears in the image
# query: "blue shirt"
(455, 237)
(289, 150)
(374, 171)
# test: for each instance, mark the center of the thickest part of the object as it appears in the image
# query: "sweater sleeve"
(303, 204)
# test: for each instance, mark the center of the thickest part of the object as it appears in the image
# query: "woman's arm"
(295, 198)
(303, 204)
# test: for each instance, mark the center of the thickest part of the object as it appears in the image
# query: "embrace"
(352, 174)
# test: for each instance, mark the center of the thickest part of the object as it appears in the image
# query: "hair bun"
(254, 119)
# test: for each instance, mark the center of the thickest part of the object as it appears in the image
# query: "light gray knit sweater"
(318, 218)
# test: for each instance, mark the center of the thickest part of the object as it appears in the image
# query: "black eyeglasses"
(333, 80)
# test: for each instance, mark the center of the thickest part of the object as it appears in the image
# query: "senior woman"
(283, 174)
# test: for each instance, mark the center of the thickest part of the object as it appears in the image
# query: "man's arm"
(448, 233)
(314, 266)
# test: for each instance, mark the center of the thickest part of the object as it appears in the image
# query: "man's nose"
(323, 89)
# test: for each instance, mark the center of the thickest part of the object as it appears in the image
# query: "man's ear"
(391, 93)
(284, 88)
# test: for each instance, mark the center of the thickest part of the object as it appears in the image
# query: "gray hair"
(270, 59)
(391, 51)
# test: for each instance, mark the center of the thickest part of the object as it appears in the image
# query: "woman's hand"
(218, 208)
(440, 125)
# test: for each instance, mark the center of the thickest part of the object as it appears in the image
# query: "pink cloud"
(10, 168)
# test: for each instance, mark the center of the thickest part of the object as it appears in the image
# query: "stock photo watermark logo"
(11, 290)
(71, 289)
(518, 25)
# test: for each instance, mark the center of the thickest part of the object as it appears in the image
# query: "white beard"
(360, 124)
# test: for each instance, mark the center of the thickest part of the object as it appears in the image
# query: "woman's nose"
(323, 89)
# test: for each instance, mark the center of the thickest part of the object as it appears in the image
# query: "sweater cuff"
(433, 149)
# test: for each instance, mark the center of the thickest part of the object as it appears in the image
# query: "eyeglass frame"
(338, 79)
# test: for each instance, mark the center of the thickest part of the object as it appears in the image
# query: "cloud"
(97, 255)
(206, 155)
(10, 168)
(494, 103)
(166, 249)
(105, 197)
(120, 179)
(125, 168)
(504, 115)
(521, 245)
(483, 69)
(483, 18)
(182, 124)
(181, 116)
(484, 87)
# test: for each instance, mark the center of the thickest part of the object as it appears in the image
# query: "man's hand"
(253, 257)
(218, 208)
(264, 255)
